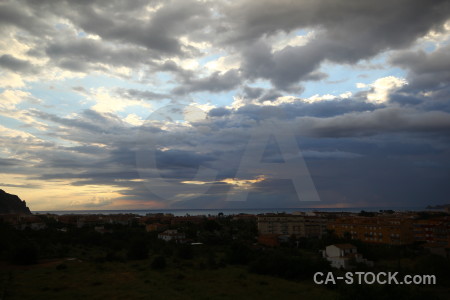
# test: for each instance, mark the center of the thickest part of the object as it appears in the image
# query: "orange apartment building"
(434, 232)
(286, 224)
(391, 230)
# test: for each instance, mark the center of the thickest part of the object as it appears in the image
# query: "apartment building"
(435, 231)
(391, 230)
(287, 224)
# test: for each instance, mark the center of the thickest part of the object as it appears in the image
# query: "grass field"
(136, 280)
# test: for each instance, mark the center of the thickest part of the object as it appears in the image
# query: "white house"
(343, 255)
(172, 235)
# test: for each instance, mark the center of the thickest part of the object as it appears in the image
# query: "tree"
(159, 263)
(24, 254)
(138, 250)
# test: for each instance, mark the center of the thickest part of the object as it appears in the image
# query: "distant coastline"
(442, 206)
(226, 211)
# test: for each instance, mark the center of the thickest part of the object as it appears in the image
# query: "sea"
(215, 212)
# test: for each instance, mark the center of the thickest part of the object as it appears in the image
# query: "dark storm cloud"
(338, 151)
(283, 68)
(428, 79)
(421, 62)
(158, 31)
(15, 14)
(8, 162)
(141, 33)
(89, 121)
(179, 158)
(349, 22)
(85, 54)
(348, 31)
(130, 34)
(260, 94)
(380, 121)
(215, 83)
(14, 64)
(355, 150)
(428, 71)
(219, 112)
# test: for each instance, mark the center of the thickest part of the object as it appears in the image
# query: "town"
(428, 229)
(290, 248)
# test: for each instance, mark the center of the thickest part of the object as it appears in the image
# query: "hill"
(12, 204)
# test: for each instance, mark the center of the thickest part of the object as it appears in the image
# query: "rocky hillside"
(11, 204)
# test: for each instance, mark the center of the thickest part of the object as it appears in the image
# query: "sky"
(225, 104)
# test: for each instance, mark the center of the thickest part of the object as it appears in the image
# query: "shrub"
(158, 263)
(24, 254)
(138, 250)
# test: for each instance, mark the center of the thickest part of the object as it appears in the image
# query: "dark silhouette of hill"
(12, 204)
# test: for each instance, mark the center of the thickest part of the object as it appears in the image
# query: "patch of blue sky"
(431, 46)
(56, 98)
(143, 111)
(99, 80)
(206, 59)
(428, 47)
(302, 32)
(260, 83)
(11, 122)
(16, 124)
(216, 99)
(163, 80)
(61, 26)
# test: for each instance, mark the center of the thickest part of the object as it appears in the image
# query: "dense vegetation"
(228, 251)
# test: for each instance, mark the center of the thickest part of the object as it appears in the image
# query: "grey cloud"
(299, 108)
(427, 71)
(80, 89)
(347, 130)
(349, 32)
(219, 112)
(380, 121)
(349, 21)
(15, 64)
(260, 94)
(13, 14)
(215, 83)
(337, 153)
(27, 186)
(8, 162)
(428, 79)
(146, 95)
(421, 62)
(159, 32)
(329, 154)
(84, 54)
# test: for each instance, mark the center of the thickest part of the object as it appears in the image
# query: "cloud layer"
(362, 86)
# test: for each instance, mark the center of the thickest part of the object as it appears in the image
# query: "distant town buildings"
(429, 229)
(391, 230)
(435, 232)
(172, 235)
(292, 225)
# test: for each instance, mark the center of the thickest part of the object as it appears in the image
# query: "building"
(270, 240)
(435, 231)
(155, 227)
(344, 256)
(287, 224)
(391, 230)
(172, 235)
